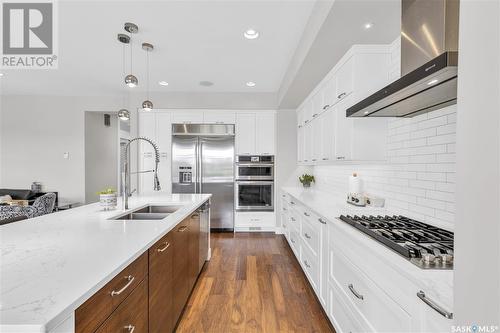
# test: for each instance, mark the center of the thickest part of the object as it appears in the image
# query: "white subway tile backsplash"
(418, 179)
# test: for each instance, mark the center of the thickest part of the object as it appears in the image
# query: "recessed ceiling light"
(250, 84)
(368, 25)
(163, 83)
(433, 81)
(251, 34)
(206, 83)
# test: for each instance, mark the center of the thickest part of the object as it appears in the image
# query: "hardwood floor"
(253, 283)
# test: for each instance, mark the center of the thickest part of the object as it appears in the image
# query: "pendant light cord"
(147, 73)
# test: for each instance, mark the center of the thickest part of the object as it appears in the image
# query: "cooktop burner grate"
(424, 245)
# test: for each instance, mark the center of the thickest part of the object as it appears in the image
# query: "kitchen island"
(51, 265)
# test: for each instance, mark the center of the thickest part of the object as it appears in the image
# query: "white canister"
(108, 201)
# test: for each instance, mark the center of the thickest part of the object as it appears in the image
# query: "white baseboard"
(254, 229)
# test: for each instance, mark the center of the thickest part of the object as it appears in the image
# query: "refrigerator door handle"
(200, 159)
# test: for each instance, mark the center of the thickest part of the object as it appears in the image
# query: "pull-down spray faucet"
(126, 193)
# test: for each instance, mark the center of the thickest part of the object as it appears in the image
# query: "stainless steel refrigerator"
(203, 162)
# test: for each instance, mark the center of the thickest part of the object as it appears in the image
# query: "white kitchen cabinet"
(265, 133)
(187, 117)
(255, 133)
(223, 117)
(245, 133)
(361, 291)
(362, 70)
(254, 221)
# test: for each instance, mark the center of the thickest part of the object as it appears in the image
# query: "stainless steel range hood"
(429, 58)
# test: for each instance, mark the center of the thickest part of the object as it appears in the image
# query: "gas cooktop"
(424, 245)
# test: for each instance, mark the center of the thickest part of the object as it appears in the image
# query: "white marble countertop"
(436, 283)
(51, 264)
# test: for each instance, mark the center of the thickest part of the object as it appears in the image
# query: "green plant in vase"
(306, 180)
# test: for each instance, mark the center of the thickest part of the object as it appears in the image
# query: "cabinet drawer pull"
(314, 160)
(322, 221)
(130, 280)
(285, 209)
(293, 241)
(306, 121)
(434, 306)
(325, 158)
(341, 157)
(195, 215)
(291, 202)
(307, 235)
(341, 95)
(167, 245)
(182, 229)
(283, 195)
(354, 292)
(315, 115)
(326, 106)
(307, 264)
(291, 218)
(130, 328)
(306, 214)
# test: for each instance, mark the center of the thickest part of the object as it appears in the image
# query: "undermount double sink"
(150, 212)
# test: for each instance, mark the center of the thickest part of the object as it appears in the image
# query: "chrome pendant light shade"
(131, 81)
(124, 114)
(147, 105)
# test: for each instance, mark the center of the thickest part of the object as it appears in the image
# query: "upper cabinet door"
(265, 132)
(245, 133)
(343, 131)
(345, 79)
(329, 94)
(187, 117)
(226, 117)
(328, 133)
(317, 104)
(307, 111)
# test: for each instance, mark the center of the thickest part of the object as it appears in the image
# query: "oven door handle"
(254, 182)
(254, 165)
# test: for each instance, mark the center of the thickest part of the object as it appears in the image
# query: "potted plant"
(306, 180)
(107, 199)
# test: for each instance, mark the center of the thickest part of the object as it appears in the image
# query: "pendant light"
(131, 79)
(123, 114)
(147, 105)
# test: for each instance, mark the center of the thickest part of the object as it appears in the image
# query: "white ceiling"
(194, 41)
(202, 40)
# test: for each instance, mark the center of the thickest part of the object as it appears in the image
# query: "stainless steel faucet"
(126, 193)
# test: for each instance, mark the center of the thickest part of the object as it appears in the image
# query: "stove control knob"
(428, 258)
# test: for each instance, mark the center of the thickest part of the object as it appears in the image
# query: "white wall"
(418, 180)
(286, 151)
(477, 234)
(101, 154)
(36, 131)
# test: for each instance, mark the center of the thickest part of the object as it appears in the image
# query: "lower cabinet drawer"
(311, 236)
(294, 221)
(340, 313)
(310, 263)
(97, 308)
(131, 315)
(295, 243)
(254, 219)
(369, 301)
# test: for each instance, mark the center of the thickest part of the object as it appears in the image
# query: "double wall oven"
(254, 183)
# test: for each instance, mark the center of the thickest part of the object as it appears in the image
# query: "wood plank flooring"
(253, 283)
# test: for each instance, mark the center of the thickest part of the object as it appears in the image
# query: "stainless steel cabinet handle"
(355, 293)
(325, 158)
(130, 279)
(130, 328)
(341, 157)
(326, 106)
(182, 229)
(306, 214)
(291, 218)
(315, 115)
(307, 235)
(283, 195)
(433, 305)
(322, 221)
(167, 245)
(293, 203)
(306, 121)
(341, 95)
(307, 264)
(314, 160)
(293, 241)
(285, 209)
(195, 215)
